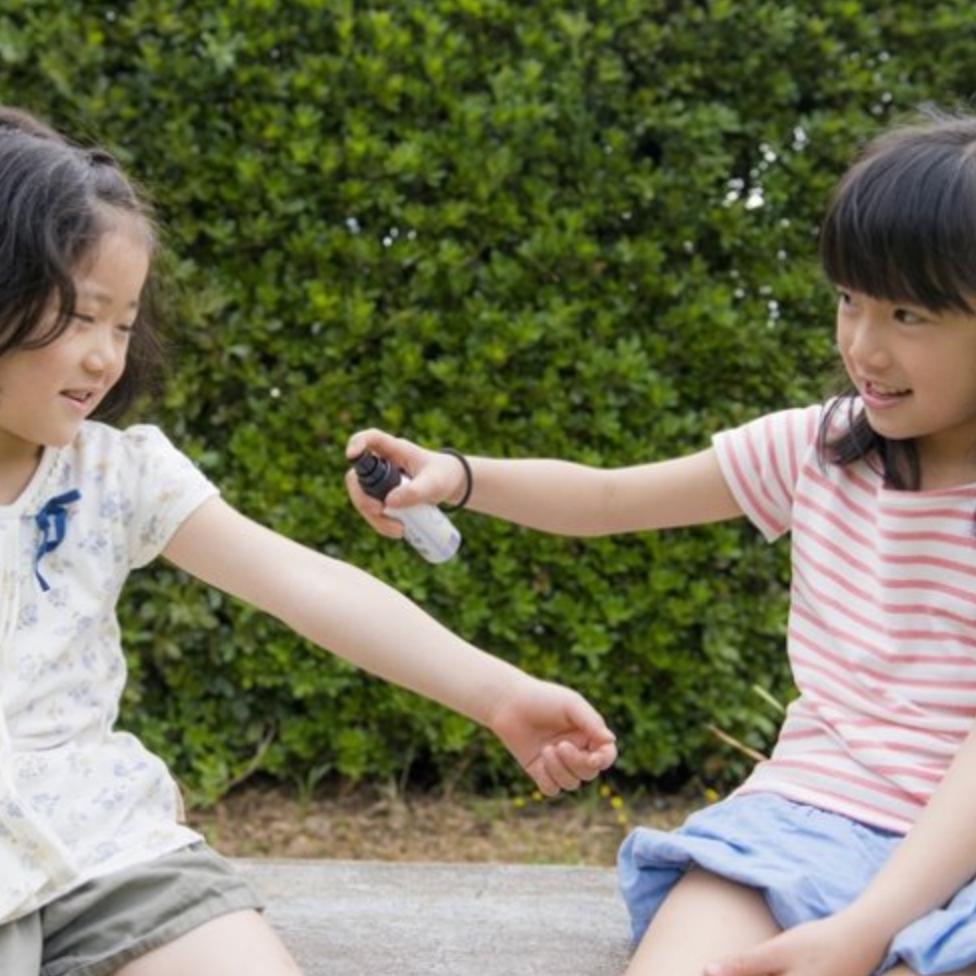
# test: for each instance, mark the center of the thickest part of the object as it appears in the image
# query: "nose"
(862, 339)
(103, 355)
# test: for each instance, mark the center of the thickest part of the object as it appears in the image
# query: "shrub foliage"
(581, 228)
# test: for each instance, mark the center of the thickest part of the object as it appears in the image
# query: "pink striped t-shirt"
(882, 626)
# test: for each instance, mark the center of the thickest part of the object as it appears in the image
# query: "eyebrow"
(101, 297)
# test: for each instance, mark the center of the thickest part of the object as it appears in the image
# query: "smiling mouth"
(882, 392)
(79, 396)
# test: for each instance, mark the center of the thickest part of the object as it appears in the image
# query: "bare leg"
(238, 944)
(705, 918)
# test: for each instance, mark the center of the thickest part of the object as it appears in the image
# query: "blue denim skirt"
(807, 863)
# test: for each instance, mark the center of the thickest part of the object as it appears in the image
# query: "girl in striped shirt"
(852, 849)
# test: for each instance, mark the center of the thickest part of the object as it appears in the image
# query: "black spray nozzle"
(377, 477)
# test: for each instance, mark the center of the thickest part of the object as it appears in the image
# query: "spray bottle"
(425, 527)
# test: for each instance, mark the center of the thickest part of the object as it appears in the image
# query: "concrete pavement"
(365, 918)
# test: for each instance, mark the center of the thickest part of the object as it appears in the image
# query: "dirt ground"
(584, 828)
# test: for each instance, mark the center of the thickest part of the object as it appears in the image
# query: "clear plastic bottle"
(425, 527)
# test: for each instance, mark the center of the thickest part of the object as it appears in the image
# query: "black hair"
(57, 200)
(901, 227)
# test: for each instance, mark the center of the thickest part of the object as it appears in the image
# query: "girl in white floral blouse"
(97, 874)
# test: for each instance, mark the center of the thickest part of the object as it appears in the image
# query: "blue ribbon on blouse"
(52, 521)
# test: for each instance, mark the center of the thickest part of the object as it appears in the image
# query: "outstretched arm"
(553, 496)
(555, 735)
(936, 859)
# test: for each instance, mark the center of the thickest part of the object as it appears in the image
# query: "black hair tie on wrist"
(468, 479)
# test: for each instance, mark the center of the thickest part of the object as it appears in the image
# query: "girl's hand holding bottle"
(435, 478)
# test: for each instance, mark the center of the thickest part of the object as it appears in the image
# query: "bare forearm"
(356, 616)
(553, 496)
(371, 625)
(342, 609)
(564, 498)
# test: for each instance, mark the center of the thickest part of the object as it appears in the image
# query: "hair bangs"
(901, 226)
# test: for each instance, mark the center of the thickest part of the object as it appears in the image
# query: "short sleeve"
(763, 461)
(161, 486)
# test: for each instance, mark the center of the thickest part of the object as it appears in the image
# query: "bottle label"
(429, 531)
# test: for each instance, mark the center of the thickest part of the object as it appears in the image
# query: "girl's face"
(46, 393)
(916, 373)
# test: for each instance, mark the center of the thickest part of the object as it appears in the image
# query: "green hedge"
(568, 227)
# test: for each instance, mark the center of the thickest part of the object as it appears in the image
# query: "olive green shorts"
(106, 923)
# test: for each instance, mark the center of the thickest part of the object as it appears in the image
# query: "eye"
(911, 316)
(122, 328)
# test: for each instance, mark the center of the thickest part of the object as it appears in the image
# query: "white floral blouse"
(78, 799)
